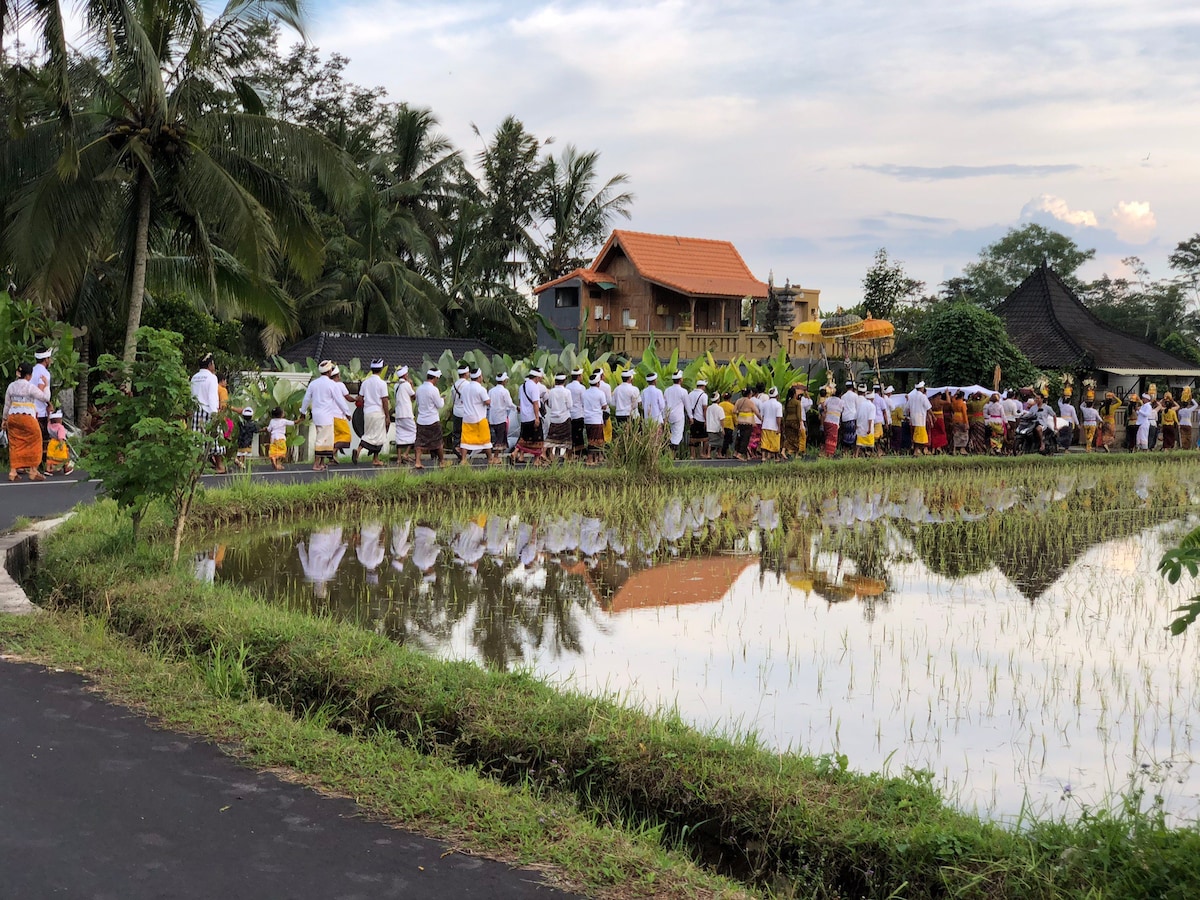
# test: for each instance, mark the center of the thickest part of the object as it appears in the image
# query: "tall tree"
(964, 344)
(1004, 264)
(886, 286)
(513, 176)
(150, 161)
(576, 212)
(1185, 259)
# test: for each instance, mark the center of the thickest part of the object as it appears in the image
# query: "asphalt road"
(97, 803)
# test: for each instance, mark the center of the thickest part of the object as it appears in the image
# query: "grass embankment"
(512, 767)
(623, 491)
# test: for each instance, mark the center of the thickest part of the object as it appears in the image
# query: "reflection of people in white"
(370, 550)
(321, 558)
(400, 545)
(206, 566)
(469, 545)
(425, 550)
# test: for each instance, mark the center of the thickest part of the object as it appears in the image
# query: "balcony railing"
(723, 345)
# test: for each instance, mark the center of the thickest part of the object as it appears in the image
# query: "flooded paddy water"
(1005, 635)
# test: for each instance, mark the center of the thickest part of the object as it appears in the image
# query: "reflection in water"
(1009, 641)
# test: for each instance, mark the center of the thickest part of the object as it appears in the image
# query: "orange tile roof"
(588, 276)
(694, 266)
(688, 265)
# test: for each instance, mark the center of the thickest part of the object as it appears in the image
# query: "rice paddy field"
(1000, 632)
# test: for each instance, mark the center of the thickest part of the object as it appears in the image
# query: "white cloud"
(1133, 221)
(1059, 209)
(768, 123)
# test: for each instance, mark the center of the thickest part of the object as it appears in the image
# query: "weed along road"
(95, 802)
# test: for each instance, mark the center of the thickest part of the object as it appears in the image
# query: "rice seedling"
(950, 615)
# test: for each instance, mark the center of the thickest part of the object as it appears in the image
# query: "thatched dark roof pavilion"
(1055, 330)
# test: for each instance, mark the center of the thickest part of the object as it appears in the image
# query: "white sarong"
(406, 432)
(323, 439)
(375, 430)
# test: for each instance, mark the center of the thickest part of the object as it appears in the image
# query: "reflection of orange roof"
(703, 579)
(693, 266)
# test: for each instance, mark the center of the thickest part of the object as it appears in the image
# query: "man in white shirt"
(1147, 416)
(429, 403)
(849, 415)
(531, 444)
(654, 405)
(626, 398)
(324, 397)
(771, 413)
(558, 417)
(406, 422)
(476, 431)
(208, 401)
(1066, 410)
(41, 409)
(456, 408)
(918, 415)
(865, 435)
(578, 432)
(697, 406)
(376, 400)
(595, 410)
(676, 398)
(883, 419)
(714, 421)
(498, 409)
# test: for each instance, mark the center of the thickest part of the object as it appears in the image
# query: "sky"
(811, 134)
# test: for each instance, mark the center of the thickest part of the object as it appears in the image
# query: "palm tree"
(575, 214)
(158, 159)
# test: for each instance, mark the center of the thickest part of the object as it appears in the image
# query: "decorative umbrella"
(808, 332)
(841, 324)
(875, 330)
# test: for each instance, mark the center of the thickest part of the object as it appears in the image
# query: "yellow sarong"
(341, 432)
(56, 451)
(920, 434)
(866, 440)
(769, 442)
(278, 449)
(476, 435)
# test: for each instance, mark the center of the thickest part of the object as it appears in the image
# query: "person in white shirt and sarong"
(676, 398)
(376, 400)
(476, 431)
(626, 398)
(498, 414)
(558, 418)
(429, 403)
(406, 421)
(208, 402)
(327, 402)
(595, 413)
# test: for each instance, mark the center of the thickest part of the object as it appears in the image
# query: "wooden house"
(680, 292)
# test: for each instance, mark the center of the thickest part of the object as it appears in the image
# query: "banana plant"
(778, 372)
(727, 378)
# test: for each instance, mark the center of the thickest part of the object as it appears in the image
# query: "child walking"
(277, 431)
(247, 429)
(57, 452)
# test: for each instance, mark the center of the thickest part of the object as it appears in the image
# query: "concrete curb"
(20, 549)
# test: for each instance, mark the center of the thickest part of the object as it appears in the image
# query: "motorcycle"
(1026, 439)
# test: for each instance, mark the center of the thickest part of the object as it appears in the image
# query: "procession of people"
(574, 416)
